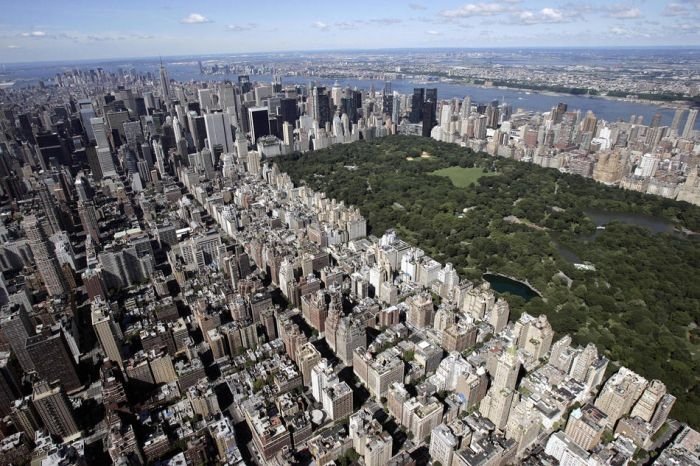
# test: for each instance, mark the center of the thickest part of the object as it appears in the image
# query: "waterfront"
(187, 69)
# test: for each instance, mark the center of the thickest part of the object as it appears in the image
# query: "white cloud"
(242, 27)
(433, 33)
(475, 9)
(12, 46)
(416, 6)
(34, 34)
(628, 33)
(195, 18)
(545, 15)
(627, 13)
(321, 25)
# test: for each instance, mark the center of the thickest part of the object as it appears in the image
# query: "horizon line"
(494, 47)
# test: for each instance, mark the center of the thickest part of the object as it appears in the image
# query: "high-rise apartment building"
(54, 410)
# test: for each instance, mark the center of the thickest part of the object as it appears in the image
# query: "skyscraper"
(219, 131)
(259, 122)
(54, 410)
(164, 83)
(16, 327)
(321, 106)
(417, 100)
(107, 331)
(53, 359)
(677, 117)
(288, 110)
(690, 123)
(42, 250)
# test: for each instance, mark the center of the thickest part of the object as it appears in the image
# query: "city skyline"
(44, 31)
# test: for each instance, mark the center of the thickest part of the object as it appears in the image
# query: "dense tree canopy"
(642, 304)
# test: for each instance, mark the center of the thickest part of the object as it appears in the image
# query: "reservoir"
(654, 224)
(502, 284)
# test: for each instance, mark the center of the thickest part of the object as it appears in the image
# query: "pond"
(503, 284)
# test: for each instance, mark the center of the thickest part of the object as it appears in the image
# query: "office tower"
(219, 131)
(428, 114)
(259, 120)
(431, 95)
(206, 99)
(52, 224)
(387, 99)
(288, 110)
(100, 132)
(198, 129)
(104, 158)
(417, 99)
(558, 112)
(227, 98)
(88, 219)
(9, 384)
(53, 359)
(396, 109)
(466, 108)
(107, 331)
(244, 83)
(25, 126)
(321, 106)
(677, 117)
(54, 410)
(42, 250)
(164, 83)
(16, 327)
(690, 123)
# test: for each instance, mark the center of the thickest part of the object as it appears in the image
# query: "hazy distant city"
(178, 287)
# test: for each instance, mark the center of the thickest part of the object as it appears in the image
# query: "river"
(188, 70)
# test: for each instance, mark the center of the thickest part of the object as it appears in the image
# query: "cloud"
(386, 21)
(355, 23)
(628, 33)
(682, 8)
(12, 46)
(545, 15)
(195, 18)
(242, 27)
(433, 33)
(626, 13)
(34, 34)
(475, 9)
(417, 6)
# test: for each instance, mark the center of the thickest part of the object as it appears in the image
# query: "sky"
(41, 30)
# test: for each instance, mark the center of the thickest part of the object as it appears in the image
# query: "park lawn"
(462, 177)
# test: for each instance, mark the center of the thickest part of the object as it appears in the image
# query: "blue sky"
(38, 30)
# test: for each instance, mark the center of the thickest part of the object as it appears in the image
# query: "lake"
(502, 284)
(654, 224)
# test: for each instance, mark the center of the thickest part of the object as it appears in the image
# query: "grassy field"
(462, 177)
